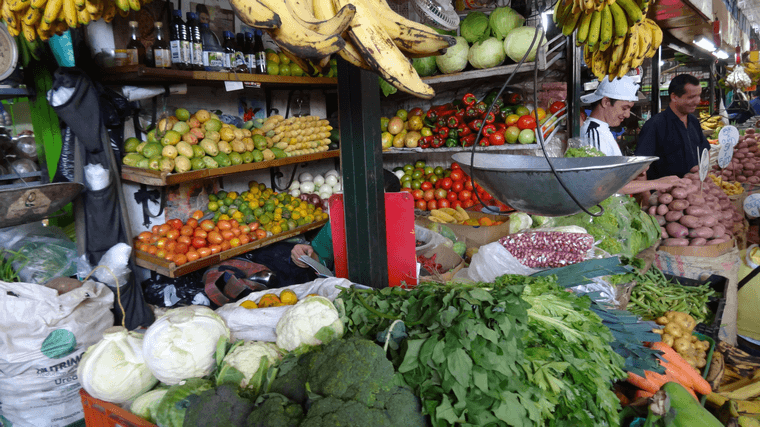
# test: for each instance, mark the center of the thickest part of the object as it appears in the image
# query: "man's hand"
(299, 250)
(667, 182)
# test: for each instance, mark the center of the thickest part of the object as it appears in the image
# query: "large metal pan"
(24, 204)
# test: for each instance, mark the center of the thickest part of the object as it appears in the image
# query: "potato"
(662, 320)
(690, 221)
(673, 329)
(673, 216)
(662, 210)
(668, 339)
(678, 205)
(701, 362)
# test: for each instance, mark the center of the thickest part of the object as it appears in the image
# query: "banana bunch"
(616, 34)
(710, 122)
(449, 215)
(43, 18)
(366, 33)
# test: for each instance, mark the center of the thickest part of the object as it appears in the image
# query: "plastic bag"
(607, 292)
(49, 252)
(430, 238)
(96, 176)
(116, 259)
(492, 261)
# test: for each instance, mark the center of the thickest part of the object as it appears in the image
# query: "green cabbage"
(503, 20)
(517, 42)
(487, 53)
(455, 58)
(424, 66)
(474, 27)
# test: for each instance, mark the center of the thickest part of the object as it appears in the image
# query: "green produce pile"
(521, 351)
(7, 258)
(584, 151)
(654, 295)
(623, 229)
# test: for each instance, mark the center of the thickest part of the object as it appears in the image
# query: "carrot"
(640, 394)
(642, 383)
(699, 384)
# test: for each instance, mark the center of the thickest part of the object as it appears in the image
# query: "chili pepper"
(471, 112)
(452, 121)
(460, 115)
(490, 118)
(484, 141)
(451, 142)
(436, 142)
(475, 125)
(468, 141)
(443, 132)
(482, 108)
(469, 99)
(489, 129)
(497, 138)
(425, 141)
(464, 130)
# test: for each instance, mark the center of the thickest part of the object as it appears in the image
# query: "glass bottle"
(250, 58)
(261, 56)
(162, 57)
(135, 48)
(179, 41)
(213, 52)
(196, 41)
(229, 50)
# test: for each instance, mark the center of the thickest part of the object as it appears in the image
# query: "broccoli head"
(219, 407)
(400, 409)
(275, 410)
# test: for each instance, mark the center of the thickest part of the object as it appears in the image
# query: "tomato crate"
(99, 413)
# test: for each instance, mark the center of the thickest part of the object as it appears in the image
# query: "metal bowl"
(527, 184)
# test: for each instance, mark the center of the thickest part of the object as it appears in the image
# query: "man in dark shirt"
(674, 135)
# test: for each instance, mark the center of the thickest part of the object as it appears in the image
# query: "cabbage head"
(252, 359)
(181, 343)
(519, 221)
(146, 405)
(487, 53)
(455, 58)
(424, 66)
(503, 20)
(114, 369)
(474, 27)
(517, 42)
(312, 321)
(172, 407)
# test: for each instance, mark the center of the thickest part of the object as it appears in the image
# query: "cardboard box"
(700, 251)
(476, 236)
(450, 262)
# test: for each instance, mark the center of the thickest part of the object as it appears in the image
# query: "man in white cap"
(611, 103)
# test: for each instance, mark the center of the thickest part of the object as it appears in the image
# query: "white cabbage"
(114, 369)
(181, 343)
(313, 320)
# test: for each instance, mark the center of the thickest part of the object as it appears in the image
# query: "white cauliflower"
(313, 320)
(252, 359)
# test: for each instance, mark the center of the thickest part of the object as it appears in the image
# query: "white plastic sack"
(259, 324)
(42, 338)
(493, 260)
(431, 239)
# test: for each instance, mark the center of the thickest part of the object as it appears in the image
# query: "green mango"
(197, 163)
(247, 157)
(210, 162)
(223, 160)
(258, 156)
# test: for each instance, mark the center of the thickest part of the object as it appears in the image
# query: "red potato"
(673, 216)
(678, 205)
(652, 210)
(675, 242)
(743, 150)
(724, 204)
(754, 179)
(662, 209)
(699, 241)
(660, 220)
(741, 145)
(718, 230)
(737, 217)
(691, 189)
(739, 155)
(703, 232)
(695, 210)
(664, 233)
(677, 230)
(690, 178)
(709, 220)
(741, 178)
(690, 221)
(694, 169)
(665, 198)
(679, 193)
(695, 199)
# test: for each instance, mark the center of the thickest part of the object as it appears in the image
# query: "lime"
(212, 198)
(273, 69)
(221, 194)
(228, 201)
(213, 206)
(419, 164)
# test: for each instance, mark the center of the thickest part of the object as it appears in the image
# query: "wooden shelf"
(489, 149)
(143, 74)
(161, 179)
(169, 269)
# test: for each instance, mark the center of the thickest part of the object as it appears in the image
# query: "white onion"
(319, 179)
(307, 187)
(332, 173)
(324, 196)
(337, 188)
(399, 173)
(305, 177)
(295, 185)
(325, 189)
(331, 180)
(295, 192)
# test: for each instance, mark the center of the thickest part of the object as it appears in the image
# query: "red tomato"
(199, 232)
(456, 175)
(244, 239)
(452, 197)
(227, 234)
(420, 204)
(175, 223)
(440, 194)
(155, 229)
(180, 248)
(184, 239)
(224, 225)
(179, 259)
(161, 243)
(455, 166)
(467, 203)
(417, 194)
(144, 236)
(163, 229)
(465, 195)
(426, 186)
(186, 230)
(198, 242)
(192, 256)
(428, 195)
(556, 106)
(204, 252)
(215, 238)
(456, 203)
(446, 183)
(526, 122)
(215, 249)
(172, 234)
(197, 215)
(468, 185)
(207, 225)
(432, 204)
(444, 203)
(497, 138)
(457, 186)
(192, 222)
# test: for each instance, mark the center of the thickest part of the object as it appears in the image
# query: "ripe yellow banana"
(571, 22)
(588, 56)
(28, 31)
(583, 27)
(593, 32)
(351, 54)
(599, 65)
(631, 45)
(84, 17)
(19, 5)
(81, 4)
(299, 40)
(303, 11)
(558, 7)
(463, 215)
(92, 6)
(109, 11)
(632, 11)
(645, 43)
(605, 33)
(616, 59)
(32, 17)
(70, 12)
(443, 216)
(52, 8)
(381, 53)
(619, 22)
(255, 14)
(411, 37)
(656, 37)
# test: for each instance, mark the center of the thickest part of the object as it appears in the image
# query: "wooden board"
(160, 179)
(143, 73)
(168, 268)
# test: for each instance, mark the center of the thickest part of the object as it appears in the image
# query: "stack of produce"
(616, 35)
(690, 217)
(295, 135)
(730, 188)
(708, 122)
(316, 189)
(677, 370)
(745, 164)
(738, 388)
(542, 249)
(677, 332)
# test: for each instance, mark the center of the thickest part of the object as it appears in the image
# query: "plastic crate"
(98, 413)
(715, 304)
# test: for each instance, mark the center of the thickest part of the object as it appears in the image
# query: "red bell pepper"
(489, 130)
(443, 132)
(460, 115)
(497, 138)
(484, 141)
(475, 125)
(467, 141)
(452, 121)
(425, 141)
(464, 130)
(490, 118)
(436, 142)
(482, 107)
(471, 112)
(469, 99)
